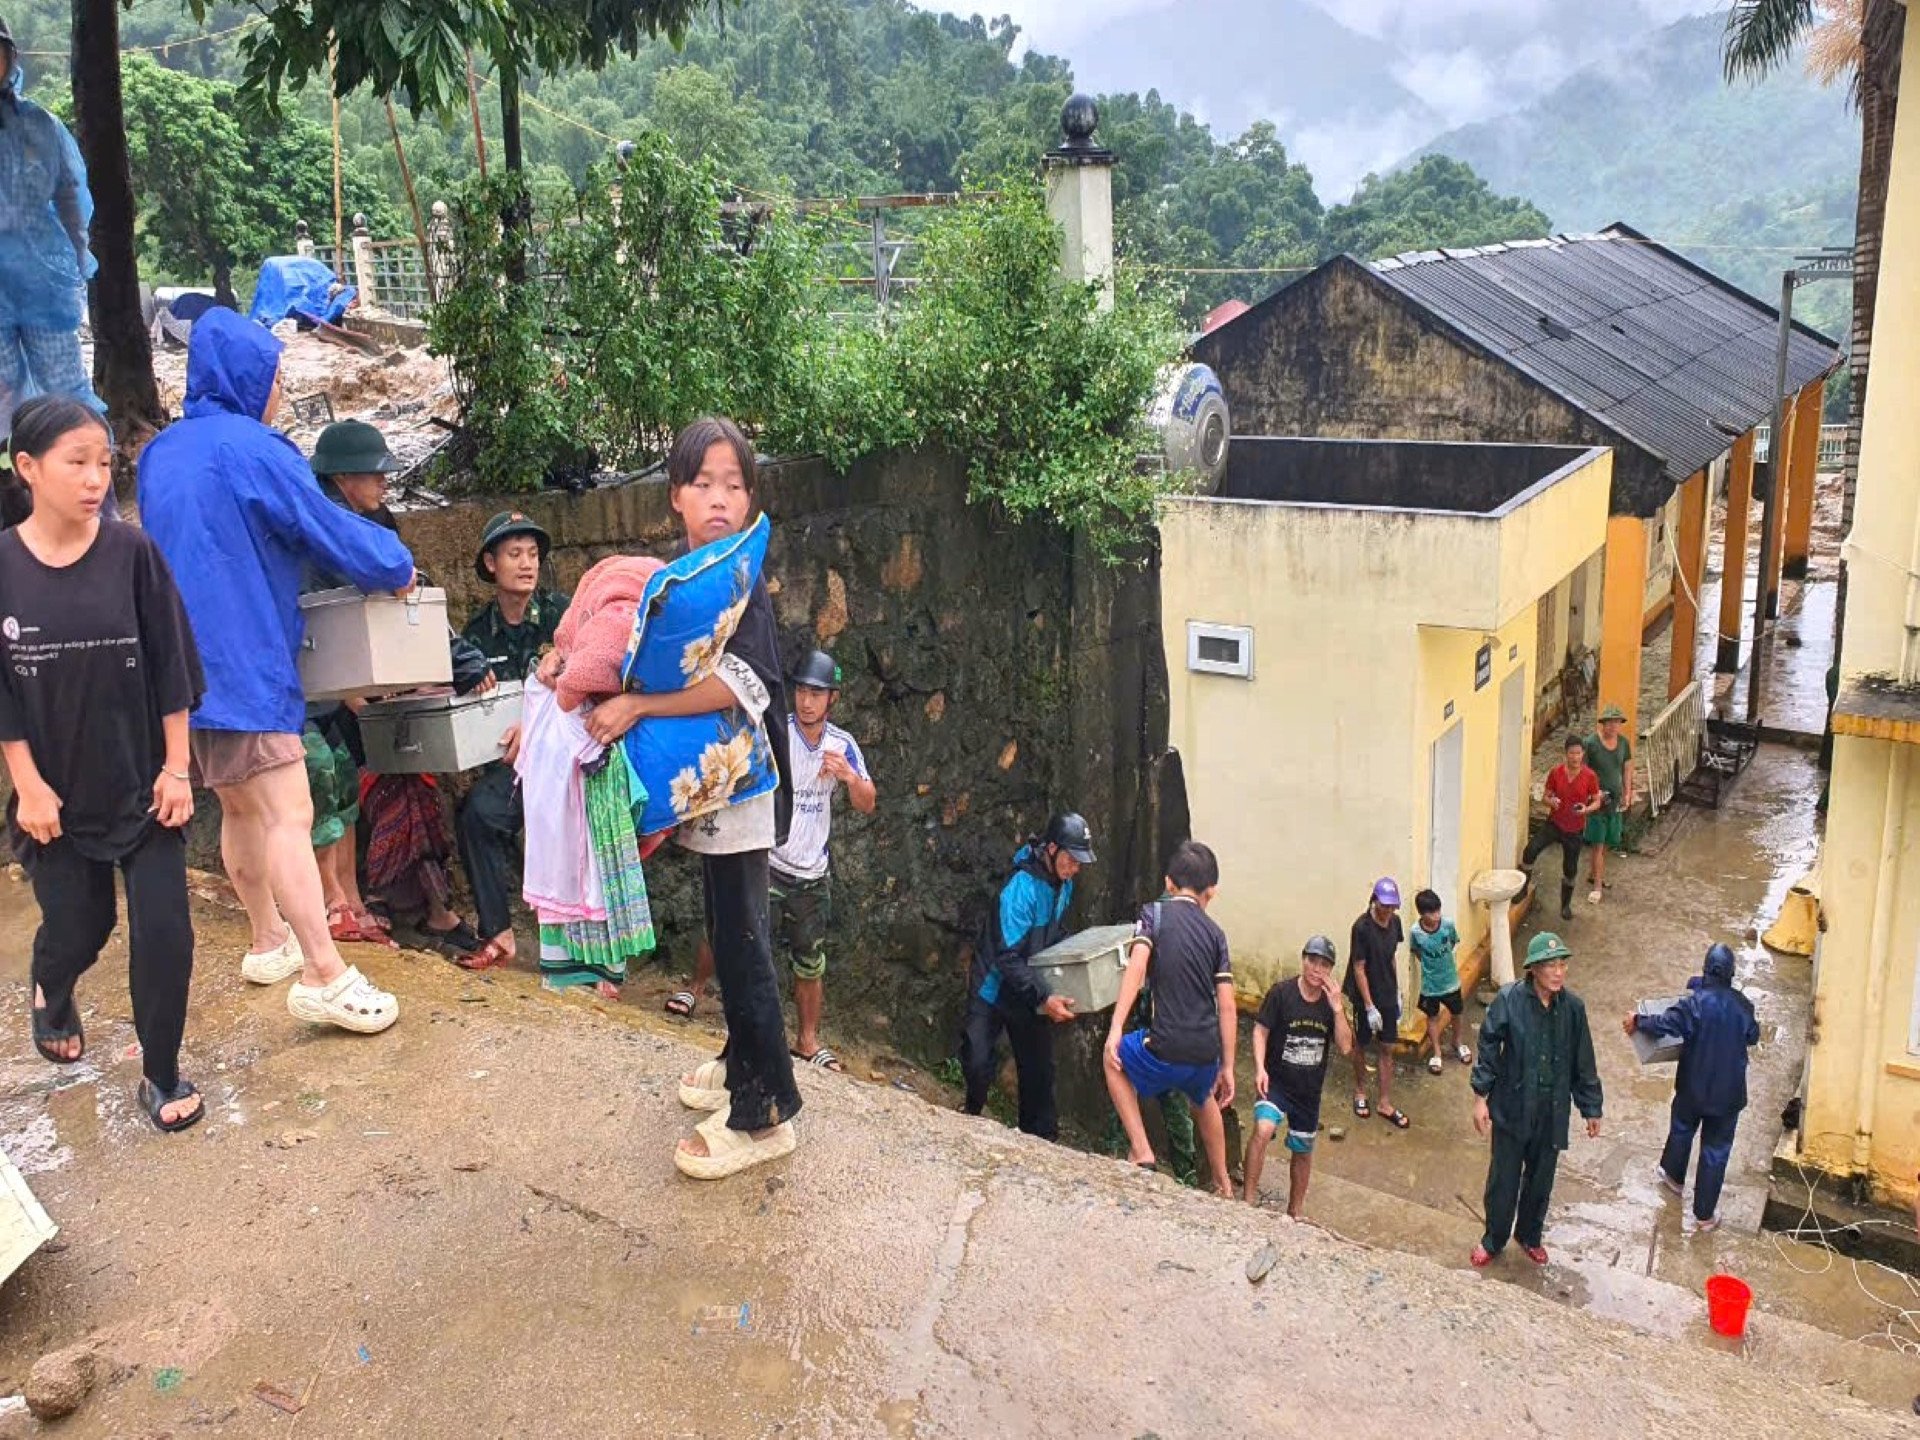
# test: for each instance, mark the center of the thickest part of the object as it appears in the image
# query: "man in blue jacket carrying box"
(1715, 1025)
(1007, 995)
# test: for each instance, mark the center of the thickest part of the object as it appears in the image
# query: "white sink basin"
(1490, 887)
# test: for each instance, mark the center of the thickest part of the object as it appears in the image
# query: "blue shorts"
(1299, 1117)
(1152, 1076)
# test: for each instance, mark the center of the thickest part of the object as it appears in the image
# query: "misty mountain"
(1657, 138)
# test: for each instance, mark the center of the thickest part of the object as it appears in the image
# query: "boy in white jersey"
(823, 756)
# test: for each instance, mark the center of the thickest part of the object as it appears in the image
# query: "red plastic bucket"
(1727, 1301)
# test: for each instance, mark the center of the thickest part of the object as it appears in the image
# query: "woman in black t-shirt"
(98, 672)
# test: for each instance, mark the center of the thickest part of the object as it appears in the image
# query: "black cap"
(504, 526)
(819, 671)
(1069, 832)
(1320, 947)
(6, 35)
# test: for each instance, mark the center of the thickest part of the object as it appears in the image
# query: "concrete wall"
(1339, 353)
(990, 676)
(1311, 779)
(1863, 1086)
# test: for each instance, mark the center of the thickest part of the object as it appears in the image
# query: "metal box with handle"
(1086, 967)
(373, 644)
(439, 734)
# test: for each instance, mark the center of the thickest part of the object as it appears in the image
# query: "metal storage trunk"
(1086, 968)
(372, 644)
(1656, 1049)
(439, 734)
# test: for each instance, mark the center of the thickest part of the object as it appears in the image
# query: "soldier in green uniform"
(1610, 754)
(513, 630)
(1535, 1065)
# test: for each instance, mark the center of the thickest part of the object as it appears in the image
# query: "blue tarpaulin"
(297, 285)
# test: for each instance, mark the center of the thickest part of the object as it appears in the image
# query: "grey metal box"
(1656, 1049)
(373, 644)
(1086, 967)
(439, 734)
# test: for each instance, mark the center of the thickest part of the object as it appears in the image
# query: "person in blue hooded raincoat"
(1715, 1025)
(1006, 993)
(45, 210)
(234, 509)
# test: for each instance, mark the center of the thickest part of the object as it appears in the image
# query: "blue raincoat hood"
(1719, 965)
(231, 366)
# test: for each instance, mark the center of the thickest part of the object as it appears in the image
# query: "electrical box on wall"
(1220, 649)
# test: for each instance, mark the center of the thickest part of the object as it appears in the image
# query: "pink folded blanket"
(593, 634)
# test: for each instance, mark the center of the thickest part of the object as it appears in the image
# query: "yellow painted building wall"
(1863, 1086)
(1311, 779)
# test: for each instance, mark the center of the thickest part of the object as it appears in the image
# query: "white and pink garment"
(561, 881)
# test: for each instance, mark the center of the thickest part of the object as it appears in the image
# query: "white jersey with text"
(804, 856)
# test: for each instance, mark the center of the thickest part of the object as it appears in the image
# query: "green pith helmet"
(1544, 947)
(1612, 712)
(353, 447)
(505, 526)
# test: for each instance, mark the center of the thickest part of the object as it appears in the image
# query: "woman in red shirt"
(1574, 792)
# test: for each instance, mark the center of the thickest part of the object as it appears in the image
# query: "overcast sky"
(1467, 60)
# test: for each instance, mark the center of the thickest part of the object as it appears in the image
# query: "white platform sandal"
(350, 1002)
(706, 1087)
(731, 1151)
(270, 967)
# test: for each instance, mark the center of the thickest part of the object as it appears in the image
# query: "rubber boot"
(1566, 899)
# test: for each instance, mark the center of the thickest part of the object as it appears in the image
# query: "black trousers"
(489, 824)
(78, 910)
(1570, 846)
(1519, 1185)
(1031, 1037)
(760, 1081)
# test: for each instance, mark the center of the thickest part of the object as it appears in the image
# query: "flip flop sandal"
(823, 1059)
(456, 940)
(731, 1151)
(1398, 1119)
(485, 958)
(1463, 1055)
(153, 1099)
(351, 1002)
(1360, 1107)
(1433, 1065)
(680, 1004)
(347, 928)
(1536, 1253)
(46, 1033)
(706, 1087)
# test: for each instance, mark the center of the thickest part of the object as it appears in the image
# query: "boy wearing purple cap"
(1373, 985)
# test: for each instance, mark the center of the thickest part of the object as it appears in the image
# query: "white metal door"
(1513, 757)
(1443, 845)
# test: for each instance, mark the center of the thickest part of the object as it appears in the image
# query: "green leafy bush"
(648, 304)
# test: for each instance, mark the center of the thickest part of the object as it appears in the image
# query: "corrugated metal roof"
(1658, 349)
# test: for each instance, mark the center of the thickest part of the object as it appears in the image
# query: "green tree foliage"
(216, 194)
(652, 305)
(1435, 203)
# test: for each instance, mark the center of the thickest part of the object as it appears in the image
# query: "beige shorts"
(222, 758)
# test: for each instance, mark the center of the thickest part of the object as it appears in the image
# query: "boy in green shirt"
(1610, 754)
(1433, 941)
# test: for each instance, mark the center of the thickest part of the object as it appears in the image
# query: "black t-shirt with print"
(1189, 960)
(92, 656)
(1299, 1039)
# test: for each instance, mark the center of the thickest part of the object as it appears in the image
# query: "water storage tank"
(1189, 411)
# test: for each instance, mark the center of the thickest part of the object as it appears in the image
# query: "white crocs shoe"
(350, 1001)
(270, 967)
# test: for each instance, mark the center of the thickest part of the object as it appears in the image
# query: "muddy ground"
(472, 1226)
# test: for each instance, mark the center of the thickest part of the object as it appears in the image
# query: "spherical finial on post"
(1079, 118)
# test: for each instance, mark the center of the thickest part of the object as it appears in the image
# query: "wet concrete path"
(1621, 1246)
(471, 1226)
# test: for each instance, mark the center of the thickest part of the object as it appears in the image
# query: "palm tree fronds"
(1835, 48)
(1762, 33)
